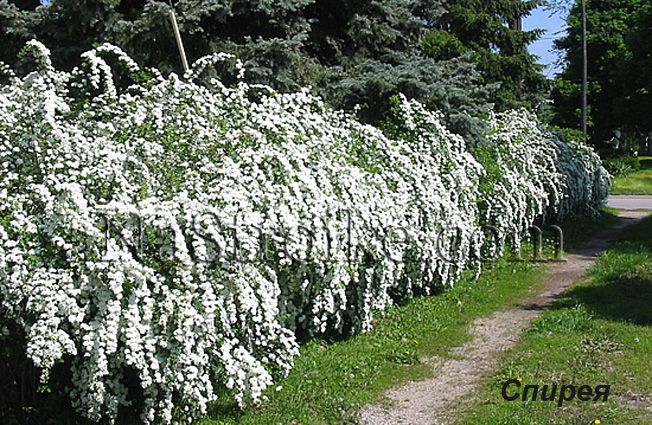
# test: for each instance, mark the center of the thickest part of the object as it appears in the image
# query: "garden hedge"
(167, 237)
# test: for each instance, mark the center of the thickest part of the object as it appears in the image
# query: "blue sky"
(554, 26)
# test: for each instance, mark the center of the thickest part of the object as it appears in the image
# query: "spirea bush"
(533, 174)
(186, 235)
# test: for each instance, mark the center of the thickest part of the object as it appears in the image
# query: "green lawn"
(332, 380)
(637, 183)
(600, 332)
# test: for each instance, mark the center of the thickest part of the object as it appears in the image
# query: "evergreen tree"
(256, 30)
(371, 50)
(16, 23)
(456, 56)
(492, 30)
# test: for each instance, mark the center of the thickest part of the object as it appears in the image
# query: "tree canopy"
(492, 30)
(619, 64)
(460, 57)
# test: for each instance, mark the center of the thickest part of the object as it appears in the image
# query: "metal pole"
(585, 71)
(177, 36)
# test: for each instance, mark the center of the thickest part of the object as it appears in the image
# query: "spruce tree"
(456, 56)
(492, 31)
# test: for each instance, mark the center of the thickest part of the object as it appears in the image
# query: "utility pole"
(585, 70)
(177, 36)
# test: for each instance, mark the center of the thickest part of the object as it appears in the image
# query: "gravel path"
(434, 401)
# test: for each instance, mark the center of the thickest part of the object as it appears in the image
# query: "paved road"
(631, 202)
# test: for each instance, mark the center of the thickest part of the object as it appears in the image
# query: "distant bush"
(623, 165)
(569, 134)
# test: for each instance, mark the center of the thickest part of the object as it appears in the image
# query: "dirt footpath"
(434, 401)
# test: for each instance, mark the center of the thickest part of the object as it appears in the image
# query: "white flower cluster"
(190, 237)
(541, 176)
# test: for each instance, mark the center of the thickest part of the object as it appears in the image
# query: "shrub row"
(187, 236)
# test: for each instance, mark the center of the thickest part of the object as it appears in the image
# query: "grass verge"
(636, 183)
(332, 380)
(600, 332)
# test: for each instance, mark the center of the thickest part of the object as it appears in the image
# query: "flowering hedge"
(192, 234)
(537, 175)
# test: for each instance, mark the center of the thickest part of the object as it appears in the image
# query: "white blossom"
(171, 164)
